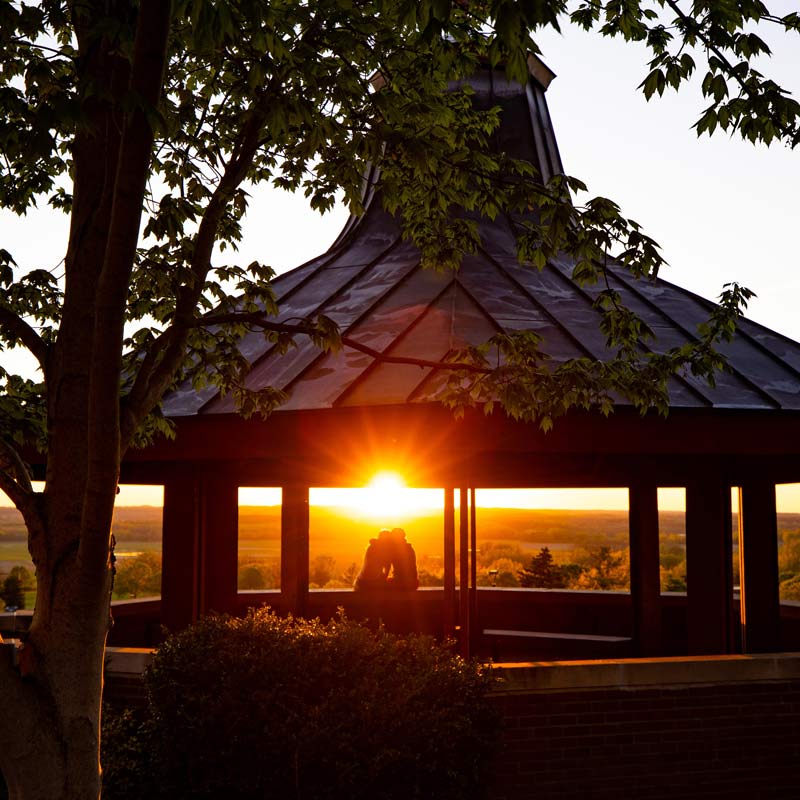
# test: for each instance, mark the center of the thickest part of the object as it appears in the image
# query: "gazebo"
(348, 413)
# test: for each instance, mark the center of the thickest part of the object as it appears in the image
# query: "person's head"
(398, 535)
(384, 535)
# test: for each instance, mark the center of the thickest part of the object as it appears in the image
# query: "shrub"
(270, 707)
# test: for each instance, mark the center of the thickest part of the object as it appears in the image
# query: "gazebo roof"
(371, 283)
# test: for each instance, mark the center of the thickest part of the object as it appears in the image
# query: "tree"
(542, 572)
(603, 569)
(321, 570)
(12, 595)
(789, 553)
(23, 574)
(251, 577)
(139, 576)
(147, 121)
(349, 576)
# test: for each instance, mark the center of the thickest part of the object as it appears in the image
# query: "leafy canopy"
(282, 93)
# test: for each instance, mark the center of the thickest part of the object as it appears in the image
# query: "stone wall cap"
(642, 673)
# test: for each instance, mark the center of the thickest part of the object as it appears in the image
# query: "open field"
(343, 535)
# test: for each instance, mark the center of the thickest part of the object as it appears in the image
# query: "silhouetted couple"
(389, 563)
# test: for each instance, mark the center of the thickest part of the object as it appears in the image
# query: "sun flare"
(383, 495)
(386, 499)
(386, 482)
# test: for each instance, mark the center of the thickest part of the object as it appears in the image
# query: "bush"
(267, 707)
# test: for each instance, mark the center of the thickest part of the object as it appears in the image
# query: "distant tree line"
(591, 566)
(138, 576)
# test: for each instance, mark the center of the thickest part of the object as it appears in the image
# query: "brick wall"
(730, 739)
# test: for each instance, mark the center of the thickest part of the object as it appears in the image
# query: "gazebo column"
(758, 567)
(709, 570)
(294, 550)
(180, 552)
(219, 545)
(645, 568)
(473, 571)
(449, 564)
(464, 616)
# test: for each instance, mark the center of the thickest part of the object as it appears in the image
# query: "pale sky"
(721, 209)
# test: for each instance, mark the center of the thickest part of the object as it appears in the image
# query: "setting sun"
(385, 497)
(386, 482)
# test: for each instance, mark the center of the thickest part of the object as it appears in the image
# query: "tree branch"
(155, 374)
(304, 329)
(15, 481)
(18, 496)
(25, 333)
(729, 68)
(10, 460)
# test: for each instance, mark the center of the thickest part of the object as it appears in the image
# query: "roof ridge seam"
(710, 303)
(492, 321)
(568, 333)
(370, 368)
(271, 349)
(346, 285)
(752, 384)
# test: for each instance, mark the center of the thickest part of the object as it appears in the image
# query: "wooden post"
(449, 602)
(463, 585)
(473, 571)
(645, 568)
(294, 550)
(180, 552)
(709, 568)
(758, 568)
(220, 546)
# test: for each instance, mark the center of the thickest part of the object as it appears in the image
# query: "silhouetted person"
(404, 562)
(377, 562)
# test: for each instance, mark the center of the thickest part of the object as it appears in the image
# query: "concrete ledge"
(638, 673)
(127, 660)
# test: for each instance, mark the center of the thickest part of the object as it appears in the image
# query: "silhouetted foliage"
(13, 594)
(268, 707)
(321, 571)
(259, 573)
(24, 576)
(543, 572)
(251, 577)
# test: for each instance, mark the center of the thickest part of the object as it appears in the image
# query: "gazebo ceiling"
(371, 284)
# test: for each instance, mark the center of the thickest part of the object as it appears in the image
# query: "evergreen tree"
(542, 572)
(13, 595)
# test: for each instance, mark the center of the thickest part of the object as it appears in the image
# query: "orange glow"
(385, 497)
(387, 481)
(381, 496)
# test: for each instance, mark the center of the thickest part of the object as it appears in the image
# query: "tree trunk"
(51, 696)
(49, 744)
